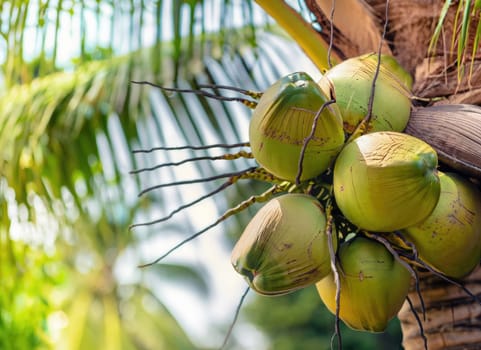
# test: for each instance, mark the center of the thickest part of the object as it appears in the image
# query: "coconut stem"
(240, 174)
(413, 272)
(333, 256)
(418, 320)
(232, 211)
(254, 94)
(331, 34)
(439, 274)
(185, 206)
(234, 321)
(249, 103)
(415, 257)
(363, 126)
(309, 138)
(195, 148)
(227, 156)
(408, 267)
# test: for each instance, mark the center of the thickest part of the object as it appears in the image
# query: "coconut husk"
(349, 40)
(454, 131)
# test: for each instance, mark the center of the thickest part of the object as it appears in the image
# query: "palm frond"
(42, 37)
(76, 130)
(135, 320)
(301, 31)
(68, 128)
(439, 26)
(476, 15)
(463, 26)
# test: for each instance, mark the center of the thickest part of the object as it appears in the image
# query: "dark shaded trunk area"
(453, 318)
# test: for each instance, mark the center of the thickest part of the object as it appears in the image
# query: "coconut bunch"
(385, 210)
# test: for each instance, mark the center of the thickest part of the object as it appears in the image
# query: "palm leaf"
(465, 15)
(44, 31)
(300, 30)
(463, 38)
(439, 27)
(476, 13)
(54, 132)
(67, 136)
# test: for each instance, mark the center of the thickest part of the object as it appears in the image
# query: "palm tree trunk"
(453, 318)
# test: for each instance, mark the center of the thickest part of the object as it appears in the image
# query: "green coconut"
(352, 83)
(392, 66)
(449, 240)
(373, 285)
(285, 246)
(283, 119)
(386, 181)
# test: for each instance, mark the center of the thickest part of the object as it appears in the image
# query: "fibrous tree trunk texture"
(453, 318)
(358, 26)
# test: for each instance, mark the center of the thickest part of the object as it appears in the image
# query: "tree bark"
(453, 318)
(411, 25)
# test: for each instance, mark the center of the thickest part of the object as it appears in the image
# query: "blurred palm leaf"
(68, 128)
(56, 31)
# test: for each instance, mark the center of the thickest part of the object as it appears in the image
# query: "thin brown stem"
(218, 145)
(363, 126)
(331, 34)
(411, 270)
(234, 321)
(246, 102)
(185, 206)
(418, 320)
(253, 94)
(333, 257)
(229, 156)
(188, 182)
(232, 211)
(309, 138)
(435, 272)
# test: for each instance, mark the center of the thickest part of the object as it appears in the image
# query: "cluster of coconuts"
(382, 182)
